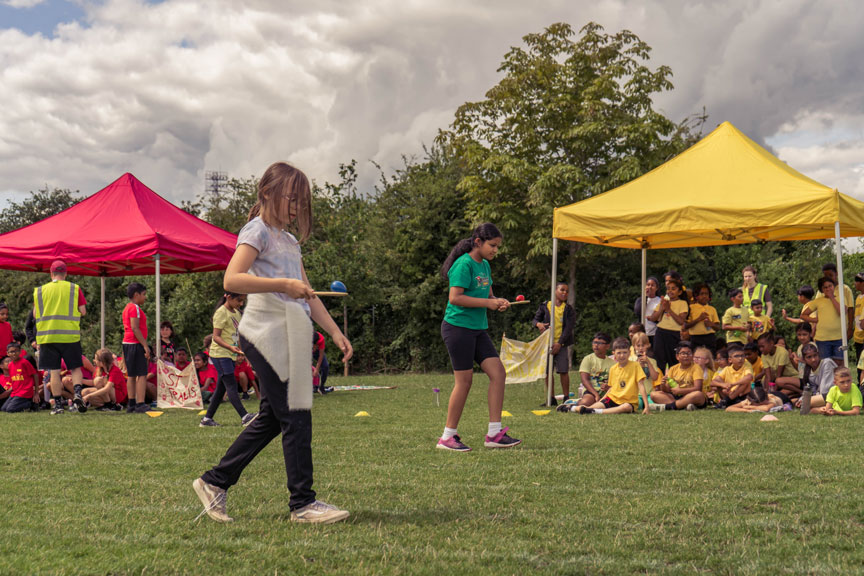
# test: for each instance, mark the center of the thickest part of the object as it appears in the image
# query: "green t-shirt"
(597, 369)
(476, 279)
(844, 402)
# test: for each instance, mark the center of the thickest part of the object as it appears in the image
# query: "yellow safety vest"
(758, 294)
(56, 313)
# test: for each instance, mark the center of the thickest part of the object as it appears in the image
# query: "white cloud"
(169, 90)
(21, 3)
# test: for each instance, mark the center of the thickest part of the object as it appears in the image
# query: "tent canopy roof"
(117, 232)
(725, 189)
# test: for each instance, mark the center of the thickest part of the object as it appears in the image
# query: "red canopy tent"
(124, 229)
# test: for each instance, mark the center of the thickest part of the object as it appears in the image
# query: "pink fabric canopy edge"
(117, 232)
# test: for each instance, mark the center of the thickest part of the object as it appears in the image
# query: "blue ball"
(338, 286)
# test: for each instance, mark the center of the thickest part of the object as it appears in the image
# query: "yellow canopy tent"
(725, 189)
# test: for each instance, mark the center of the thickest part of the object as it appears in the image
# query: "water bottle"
(805, 399)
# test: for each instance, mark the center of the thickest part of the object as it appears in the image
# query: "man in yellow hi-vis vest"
(57, 308)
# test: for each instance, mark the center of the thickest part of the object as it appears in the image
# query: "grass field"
(671, 493)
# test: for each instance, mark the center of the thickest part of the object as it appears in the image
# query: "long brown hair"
(106, 357)
(282, 183)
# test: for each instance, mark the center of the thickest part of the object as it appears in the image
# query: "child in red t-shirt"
(5, 382)
(5, 327)
(25, 381)
(207, 376)
(109, 384)
(245, 376)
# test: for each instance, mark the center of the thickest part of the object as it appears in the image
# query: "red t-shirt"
(132, 310)
(320, 344)
(5, 382)
(244, 368)
(208, 372)
(5, 336)
(21, 373)
(116, 377)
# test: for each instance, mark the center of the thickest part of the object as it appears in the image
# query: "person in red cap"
(57, 308)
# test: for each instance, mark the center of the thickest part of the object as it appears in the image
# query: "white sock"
(598, 410)
(494, 429)
(448, 433)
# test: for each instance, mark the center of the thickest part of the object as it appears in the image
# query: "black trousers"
(274, 418)
(709, 341)
(665, 342)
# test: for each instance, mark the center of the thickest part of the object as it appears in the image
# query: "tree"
(570, 119)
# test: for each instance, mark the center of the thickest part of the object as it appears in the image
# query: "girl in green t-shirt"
(464, 333)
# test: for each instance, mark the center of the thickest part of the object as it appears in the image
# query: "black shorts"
(608, 403)
(467, 346)
(136, 362)
(51, 353)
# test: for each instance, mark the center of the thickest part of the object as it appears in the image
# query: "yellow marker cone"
(505, 414)
(202, 413)
(361, 413)
(540, 412)
(154, 414)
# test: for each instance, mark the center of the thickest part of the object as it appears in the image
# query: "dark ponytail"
(483, 232)
(224, 299)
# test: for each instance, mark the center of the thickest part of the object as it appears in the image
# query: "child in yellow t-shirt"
(594, 370)
(626, 385)
(702, 357)
(681, 387)
(736, 319)
(732, 383)
(703, 322)
(759, 324)
(751, 353)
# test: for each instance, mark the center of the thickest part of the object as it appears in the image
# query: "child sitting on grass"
(681, 387)
(732, 383)
(594, 370)
(109, 390)
(207, 376)
(779, 370)
(626, 385)
(804, 335)
(640, 345)
(5, 382)
(843, 399)
(703, 358)
(751, 353)
(25, 381)
(818, 375)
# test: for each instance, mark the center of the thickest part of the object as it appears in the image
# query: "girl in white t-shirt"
(268, 267)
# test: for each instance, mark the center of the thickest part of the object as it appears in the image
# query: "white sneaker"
(319, 512)
(657, 407)
(691, 407)
(248, 419)
(214, 499)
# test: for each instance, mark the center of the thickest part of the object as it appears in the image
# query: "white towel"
(282, 332)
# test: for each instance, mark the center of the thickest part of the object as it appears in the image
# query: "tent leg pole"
(644, 280)
(345, 330)
(102, 313)
(158, 332)
(550, 383)
(838, 250)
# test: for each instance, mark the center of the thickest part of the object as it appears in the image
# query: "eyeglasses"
(683, 353)
(598, 342)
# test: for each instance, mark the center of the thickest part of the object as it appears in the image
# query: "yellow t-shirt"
(847, 292)
(828, 327)
(559, 319)
(737, 317)
(756, 367)
(858, 336)
(729, 375)
(667, 322)
(624, 383)
(778, 359)
(761, 324)
(695, 311)
(707, 376)
(228, 322)
(683, 377)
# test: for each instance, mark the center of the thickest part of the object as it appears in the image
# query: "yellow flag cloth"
(525, 362)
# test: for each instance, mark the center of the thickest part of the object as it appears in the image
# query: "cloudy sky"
(90, 89)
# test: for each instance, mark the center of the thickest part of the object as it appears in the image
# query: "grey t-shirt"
(278, 254)
(822, 379)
